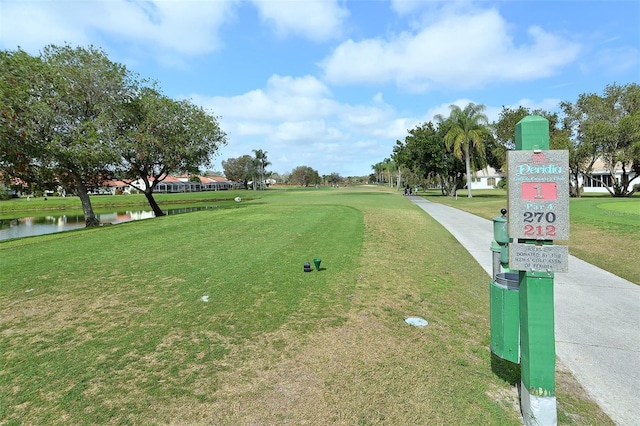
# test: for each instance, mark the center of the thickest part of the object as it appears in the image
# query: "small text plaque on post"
(531, 257)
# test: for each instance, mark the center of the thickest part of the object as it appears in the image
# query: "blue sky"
(332, 84)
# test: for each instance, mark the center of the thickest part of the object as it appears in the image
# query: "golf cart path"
(597, 318)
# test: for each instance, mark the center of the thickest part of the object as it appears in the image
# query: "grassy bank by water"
(24, 206)
(604, 231)
(208, 318)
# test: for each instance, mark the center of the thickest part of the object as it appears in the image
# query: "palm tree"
(468, 127)
(261, 164)
(398, 168)
(390, 166)
(378, 169)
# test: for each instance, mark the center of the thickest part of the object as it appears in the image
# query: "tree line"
(252, 173)
(597, 127)
(71, 117)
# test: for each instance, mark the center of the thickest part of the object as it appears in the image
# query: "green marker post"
(537, 337)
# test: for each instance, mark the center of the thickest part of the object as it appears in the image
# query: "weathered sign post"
(538, 199)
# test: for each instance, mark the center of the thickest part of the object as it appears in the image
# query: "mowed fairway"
(111, 326)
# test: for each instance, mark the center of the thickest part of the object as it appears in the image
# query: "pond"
(28, 226)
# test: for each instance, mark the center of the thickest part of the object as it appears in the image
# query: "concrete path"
(597, 318)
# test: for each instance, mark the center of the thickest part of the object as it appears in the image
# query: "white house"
(600, 178)
(487, 178)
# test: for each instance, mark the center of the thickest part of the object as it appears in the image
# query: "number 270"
(530, 217)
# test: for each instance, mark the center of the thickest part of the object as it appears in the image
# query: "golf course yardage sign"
(538, 194)
(538, 199)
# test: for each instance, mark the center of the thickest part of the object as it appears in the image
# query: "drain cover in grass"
(416, 321)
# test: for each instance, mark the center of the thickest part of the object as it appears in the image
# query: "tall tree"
(239, 169)
(466, 136)
(261, 164)
(67, 116)
(397, 167)
(423, 152)
(305, 176)
(378, 169)
(162, 136)
(334, 178)
(390, 167)
(607, 127)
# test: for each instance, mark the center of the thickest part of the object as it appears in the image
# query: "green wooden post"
(537, 338)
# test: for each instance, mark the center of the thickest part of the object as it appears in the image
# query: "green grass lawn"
(110, 325)
(604, 231)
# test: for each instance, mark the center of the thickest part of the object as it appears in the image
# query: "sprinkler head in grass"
(416, 321)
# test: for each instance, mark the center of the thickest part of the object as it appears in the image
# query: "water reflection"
(49, 224)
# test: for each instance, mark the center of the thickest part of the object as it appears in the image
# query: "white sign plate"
(531, 257)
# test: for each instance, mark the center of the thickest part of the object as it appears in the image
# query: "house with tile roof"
(185, 183)
(114, 187)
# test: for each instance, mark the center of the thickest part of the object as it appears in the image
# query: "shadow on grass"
(506, 370)
(496, 194)
(483, 195)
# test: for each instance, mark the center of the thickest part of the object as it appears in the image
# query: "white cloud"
(457, 51)
(404, 7)
(317, 20)
(301, 133)
(31, 26)
(164, 27)
(283, 99)
(171, 27)
(427, 10)
(248, 128)
(301, 86)
(188, 28)
(297, 121)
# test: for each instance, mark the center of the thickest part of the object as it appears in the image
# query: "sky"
(333, 84)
